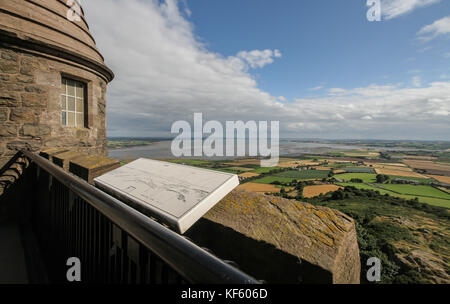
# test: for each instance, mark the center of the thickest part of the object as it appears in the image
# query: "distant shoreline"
(161, 148)
(116, 143)
(123, 144)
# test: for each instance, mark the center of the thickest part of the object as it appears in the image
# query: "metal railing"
(114, 242)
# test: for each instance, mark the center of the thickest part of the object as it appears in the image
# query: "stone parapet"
(64, 158)
(90, 167)
(82, 165)
(280, 240)
(49, 153)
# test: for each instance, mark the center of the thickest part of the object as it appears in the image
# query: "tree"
(381, 178)
(356, 180)
(337, 195)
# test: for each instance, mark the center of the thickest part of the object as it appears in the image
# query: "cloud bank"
(164, 74)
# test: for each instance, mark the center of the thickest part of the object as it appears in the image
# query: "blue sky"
(319, 67)
(324, 43)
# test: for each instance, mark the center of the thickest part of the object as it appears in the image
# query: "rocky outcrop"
(280, 240)
(426, 251)
(431, 266)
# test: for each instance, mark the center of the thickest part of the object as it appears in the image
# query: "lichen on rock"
(323, 239)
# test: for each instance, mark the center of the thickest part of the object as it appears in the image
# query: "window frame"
(65, 79)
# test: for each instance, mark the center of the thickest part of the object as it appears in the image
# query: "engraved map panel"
(170, 187)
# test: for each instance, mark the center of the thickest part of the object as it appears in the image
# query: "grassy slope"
(388, 227)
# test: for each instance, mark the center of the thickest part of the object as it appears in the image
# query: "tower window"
(72, 103)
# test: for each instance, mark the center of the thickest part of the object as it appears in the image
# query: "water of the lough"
(162, 149)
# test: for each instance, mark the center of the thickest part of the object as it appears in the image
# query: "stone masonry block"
(89, 167)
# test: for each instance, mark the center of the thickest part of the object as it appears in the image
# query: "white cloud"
(258, 58)
(338, 116)
(187, 11)
(318, 88)
(437, 28)
(416, 81)
(336, 91)
(164, 74)
(391, 9)
(392, 110)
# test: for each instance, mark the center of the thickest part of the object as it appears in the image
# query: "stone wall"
(30, 108)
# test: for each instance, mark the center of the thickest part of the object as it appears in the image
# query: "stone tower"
(52, 80)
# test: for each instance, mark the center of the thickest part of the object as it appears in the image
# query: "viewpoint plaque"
(176, 194)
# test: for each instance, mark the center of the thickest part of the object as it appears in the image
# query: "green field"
(433, 201)
(304, 174)
(424, 196)
(228, 170)
(417, 190)
(336, 166)
(271, 179)
(264, 170)
(366, 177)
(366, 186)
(421, 180)
(359, 170)
(289, 176)
(371, 178)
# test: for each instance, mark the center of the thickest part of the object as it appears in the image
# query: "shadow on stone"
(261, 260)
